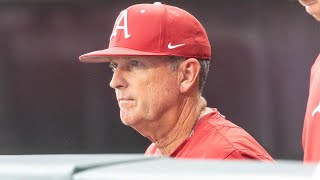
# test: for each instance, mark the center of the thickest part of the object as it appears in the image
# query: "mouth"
(124, 102)
(124, 99)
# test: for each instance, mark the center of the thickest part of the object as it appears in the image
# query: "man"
(311, 128)
(160, 57)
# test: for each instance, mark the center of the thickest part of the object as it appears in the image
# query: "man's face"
(312, 7)
(146, 88)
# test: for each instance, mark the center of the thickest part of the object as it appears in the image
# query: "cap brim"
(106, 55)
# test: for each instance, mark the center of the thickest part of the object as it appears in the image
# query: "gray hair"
(204, 68)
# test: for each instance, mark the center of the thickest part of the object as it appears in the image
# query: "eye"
(113, 66)
(135, 63)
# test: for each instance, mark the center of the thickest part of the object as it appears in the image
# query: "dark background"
(51, 103)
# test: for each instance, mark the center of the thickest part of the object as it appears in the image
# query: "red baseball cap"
(154, 30)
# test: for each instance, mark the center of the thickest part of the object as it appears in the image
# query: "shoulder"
(221, 135)
(217, 125)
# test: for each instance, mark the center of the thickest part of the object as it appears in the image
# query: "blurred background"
(50, 103)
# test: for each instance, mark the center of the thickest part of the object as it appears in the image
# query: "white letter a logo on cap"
(122, 17)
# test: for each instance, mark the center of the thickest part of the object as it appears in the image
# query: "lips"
(124, 99)
(123, 102)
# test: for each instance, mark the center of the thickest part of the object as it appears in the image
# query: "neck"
(182, 127)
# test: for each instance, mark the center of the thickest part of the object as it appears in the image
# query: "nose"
(308, 2)
(118, 79)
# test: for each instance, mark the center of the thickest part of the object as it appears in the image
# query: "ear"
(188, 74)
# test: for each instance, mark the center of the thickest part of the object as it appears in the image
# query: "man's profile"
(160, 57)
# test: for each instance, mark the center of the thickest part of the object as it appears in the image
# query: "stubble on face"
(150, 92)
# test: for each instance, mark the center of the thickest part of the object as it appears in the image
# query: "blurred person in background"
(311, 128)
(160, 57)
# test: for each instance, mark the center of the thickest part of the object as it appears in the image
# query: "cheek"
(162, 90)
(156, 91)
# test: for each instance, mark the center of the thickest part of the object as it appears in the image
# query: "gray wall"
(50, 103)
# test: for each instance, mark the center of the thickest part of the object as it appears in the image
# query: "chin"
(129, 121)
(126, 121)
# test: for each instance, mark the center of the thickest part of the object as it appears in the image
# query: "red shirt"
(215, 137)
(311, 128)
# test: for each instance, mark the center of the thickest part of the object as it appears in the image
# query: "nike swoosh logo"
(174, 46)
